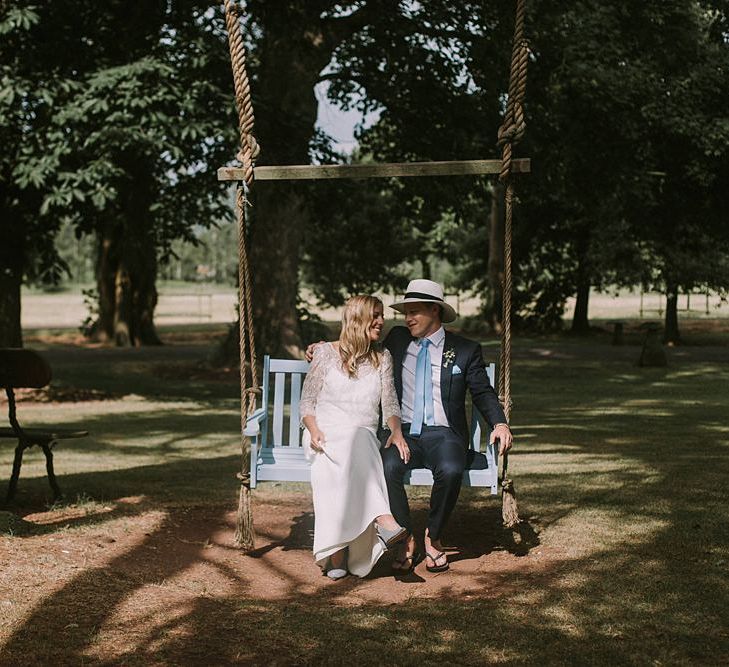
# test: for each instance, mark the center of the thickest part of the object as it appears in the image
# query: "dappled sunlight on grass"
(606, 410)
(141, 634)
(588, 531)
(701, 372)
(717, 427)
(129, 433)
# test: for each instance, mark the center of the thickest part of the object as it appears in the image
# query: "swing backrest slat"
(287, 374)
(278, 403)
(294, 430)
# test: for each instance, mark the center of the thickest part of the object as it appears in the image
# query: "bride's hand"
(309, 354)
(396, 438)
(318, 439)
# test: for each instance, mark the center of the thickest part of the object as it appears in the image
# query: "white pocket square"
(456, 370)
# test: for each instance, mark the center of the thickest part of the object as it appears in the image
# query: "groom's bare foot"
(406, 553)
(435, 558)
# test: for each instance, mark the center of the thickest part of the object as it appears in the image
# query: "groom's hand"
(502, 433)
(309, 354)
(399, 441)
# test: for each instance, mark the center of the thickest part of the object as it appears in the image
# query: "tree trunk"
(580, 321)
(102, 329)
(127, 268)
(671, 334)
(279, 220)
(295, 47)
(493, 306)
(293, 53)
(127, 292)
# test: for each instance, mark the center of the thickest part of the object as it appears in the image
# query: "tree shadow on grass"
(615, 607)
(300, 536)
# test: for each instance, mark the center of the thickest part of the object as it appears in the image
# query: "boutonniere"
(449, 357)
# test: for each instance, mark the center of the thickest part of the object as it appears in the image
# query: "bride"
(349, 380)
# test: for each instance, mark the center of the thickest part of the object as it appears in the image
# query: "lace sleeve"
(314, 381)
(388, 395)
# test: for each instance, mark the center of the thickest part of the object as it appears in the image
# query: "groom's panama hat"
(425, 291)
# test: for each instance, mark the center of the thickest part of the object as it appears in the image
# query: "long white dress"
(347, 480)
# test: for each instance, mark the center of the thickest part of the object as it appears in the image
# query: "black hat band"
(422, 295)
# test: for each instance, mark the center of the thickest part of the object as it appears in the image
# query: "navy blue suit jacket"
(473, 377)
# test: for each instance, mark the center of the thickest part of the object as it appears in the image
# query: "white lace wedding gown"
(347, 480)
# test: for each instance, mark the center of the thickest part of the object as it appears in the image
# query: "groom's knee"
(393, 465)
(449, 472)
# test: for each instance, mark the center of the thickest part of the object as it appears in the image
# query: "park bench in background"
(276, 451)
(25, 369)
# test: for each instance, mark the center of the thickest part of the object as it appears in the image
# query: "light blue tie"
(423, 406)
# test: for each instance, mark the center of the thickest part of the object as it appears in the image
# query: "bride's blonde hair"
(355, 345)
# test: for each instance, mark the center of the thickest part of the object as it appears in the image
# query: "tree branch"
(337, 30)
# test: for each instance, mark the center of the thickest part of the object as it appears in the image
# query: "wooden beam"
(386, 170)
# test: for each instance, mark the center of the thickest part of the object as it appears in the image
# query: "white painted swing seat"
(276, 451)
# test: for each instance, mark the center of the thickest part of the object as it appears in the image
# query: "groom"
(433, 368)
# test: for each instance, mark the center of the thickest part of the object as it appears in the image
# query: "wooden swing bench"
(275, 434)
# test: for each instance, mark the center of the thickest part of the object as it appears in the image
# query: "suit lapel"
(397, 367)
(398, 356)
(446, 374)
(401, 349)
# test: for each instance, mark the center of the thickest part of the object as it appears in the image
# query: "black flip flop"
(436, 568)
(414, 560)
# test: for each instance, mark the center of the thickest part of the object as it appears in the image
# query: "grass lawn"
(621, 474)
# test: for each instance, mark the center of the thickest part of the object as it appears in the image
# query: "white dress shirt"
(437, 342)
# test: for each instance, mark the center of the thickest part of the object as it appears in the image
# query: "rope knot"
(511, 133)
(255, 148)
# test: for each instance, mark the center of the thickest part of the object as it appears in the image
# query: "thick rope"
(513, 127)
(510, 133)
(507, 286)
(244, 535)
(245, 314)
(249, 149)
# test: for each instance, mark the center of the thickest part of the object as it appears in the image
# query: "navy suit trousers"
(443, 452)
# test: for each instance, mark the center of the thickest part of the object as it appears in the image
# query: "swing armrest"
(492, 455)
(253, 423)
